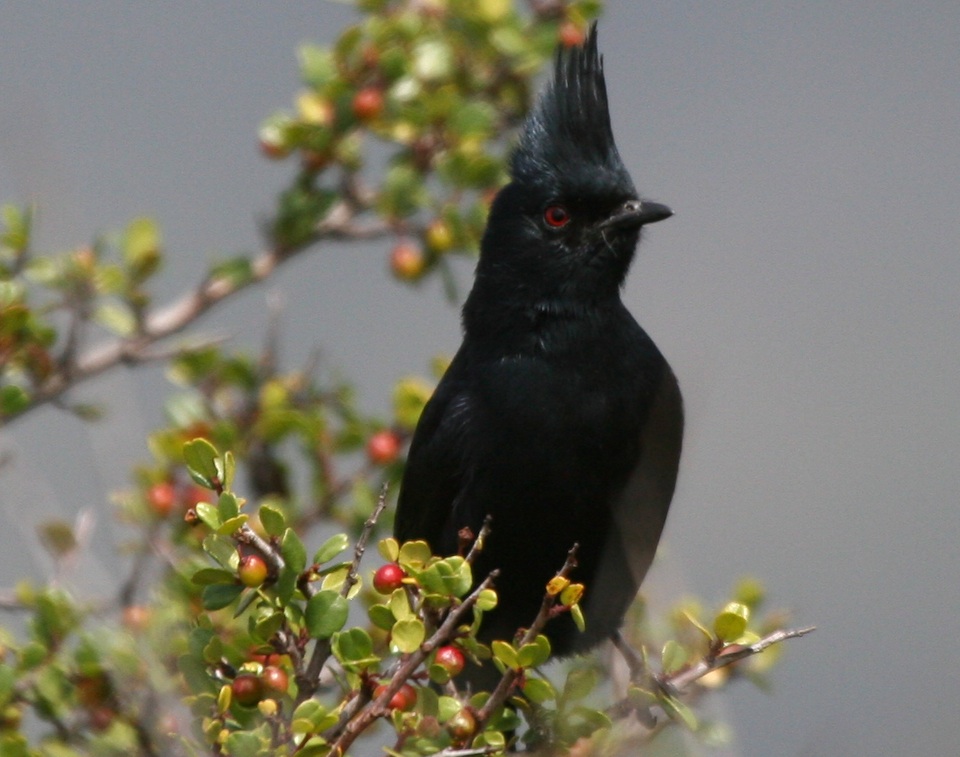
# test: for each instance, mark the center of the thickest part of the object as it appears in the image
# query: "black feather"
(571, 124)
(559, 417)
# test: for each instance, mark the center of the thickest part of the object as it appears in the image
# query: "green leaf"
(460, 578)
(447, 707)
(326, 614)
(381, 616)
(578, 620)
(218, 596)
(414, 554)
(209, 576)
(534, 654)
(732, 621)
(580, 683)
(234, 271)
(13, 399)
(354, 649)
(209, 514)
(308, 711)
(272, 519)
(409, 397)
(486, 600)
(538, 690)
(408, 635)
(248, 599)
(229, 469)
(201, 459)
(505, 653)
(389, 549)
(243, 744)
(141, 247)
(679, 712)
(331, 548)
(317, 66)
(233, 525)
(116, 318)
(400, 605)
(223, 550)
(58, 538)
(293, 552)
(266, 627)
(228, 506)
(673, 657)
(438, 674)
(7, 681)
(286, 584)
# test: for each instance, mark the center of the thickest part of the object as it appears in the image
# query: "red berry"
(263, 655)
(383, 447)
(407, 261)
(136, 618)
(368, 103)
(388, 578)
(275, 680)
(196, 494)
(462, 725)
(247, 689)
(101, 717)
(570, 34)
(162, 497)
(403, 700)
(451, 659)
(273, 143)
(252, 570)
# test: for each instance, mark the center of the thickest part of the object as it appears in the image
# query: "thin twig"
(477, 751)
(340, 223)
(509, 678)
(680, 682)
(246, 535)
(310, 678)
(377, 708)
(730, 654)
(477, 547)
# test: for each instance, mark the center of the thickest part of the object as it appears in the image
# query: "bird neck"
(512, 318)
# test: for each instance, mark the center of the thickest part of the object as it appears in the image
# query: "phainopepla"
(558, 416)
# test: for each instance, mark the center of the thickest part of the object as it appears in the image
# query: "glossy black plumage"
(558, 416)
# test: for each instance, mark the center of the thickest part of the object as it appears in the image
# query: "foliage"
(248, 623)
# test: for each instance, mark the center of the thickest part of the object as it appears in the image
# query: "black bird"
(558, 416)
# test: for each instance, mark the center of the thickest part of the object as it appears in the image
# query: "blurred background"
(806, 294)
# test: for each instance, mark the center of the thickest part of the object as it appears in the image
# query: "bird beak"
(636, 213)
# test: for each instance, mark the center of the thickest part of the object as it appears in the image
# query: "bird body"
(558, 416)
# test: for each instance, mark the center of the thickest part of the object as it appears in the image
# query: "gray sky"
(805, 293)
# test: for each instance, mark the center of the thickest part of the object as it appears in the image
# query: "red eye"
(556, 216)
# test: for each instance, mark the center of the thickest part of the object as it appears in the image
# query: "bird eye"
(556, 216)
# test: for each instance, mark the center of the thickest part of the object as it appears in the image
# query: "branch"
(500, 694)
(730, 654)
(340, 223)
(348, 733)
(680, 682)
(308, 681)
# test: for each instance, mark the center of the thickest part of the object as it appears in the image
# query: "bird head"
(567, 224)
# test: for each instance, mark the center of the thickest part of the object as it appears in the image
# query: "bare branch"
(339, 223)
(308, 682)
(680, 682)
(730, 654)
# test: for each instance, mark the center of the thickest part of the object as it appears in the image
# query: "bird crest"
(570, 126)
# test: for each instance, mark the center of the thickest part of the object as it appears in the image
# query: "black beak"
(635, 213)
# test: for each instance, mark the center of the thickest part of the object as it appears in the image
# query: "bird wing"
(434, 475)
(640, 511)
